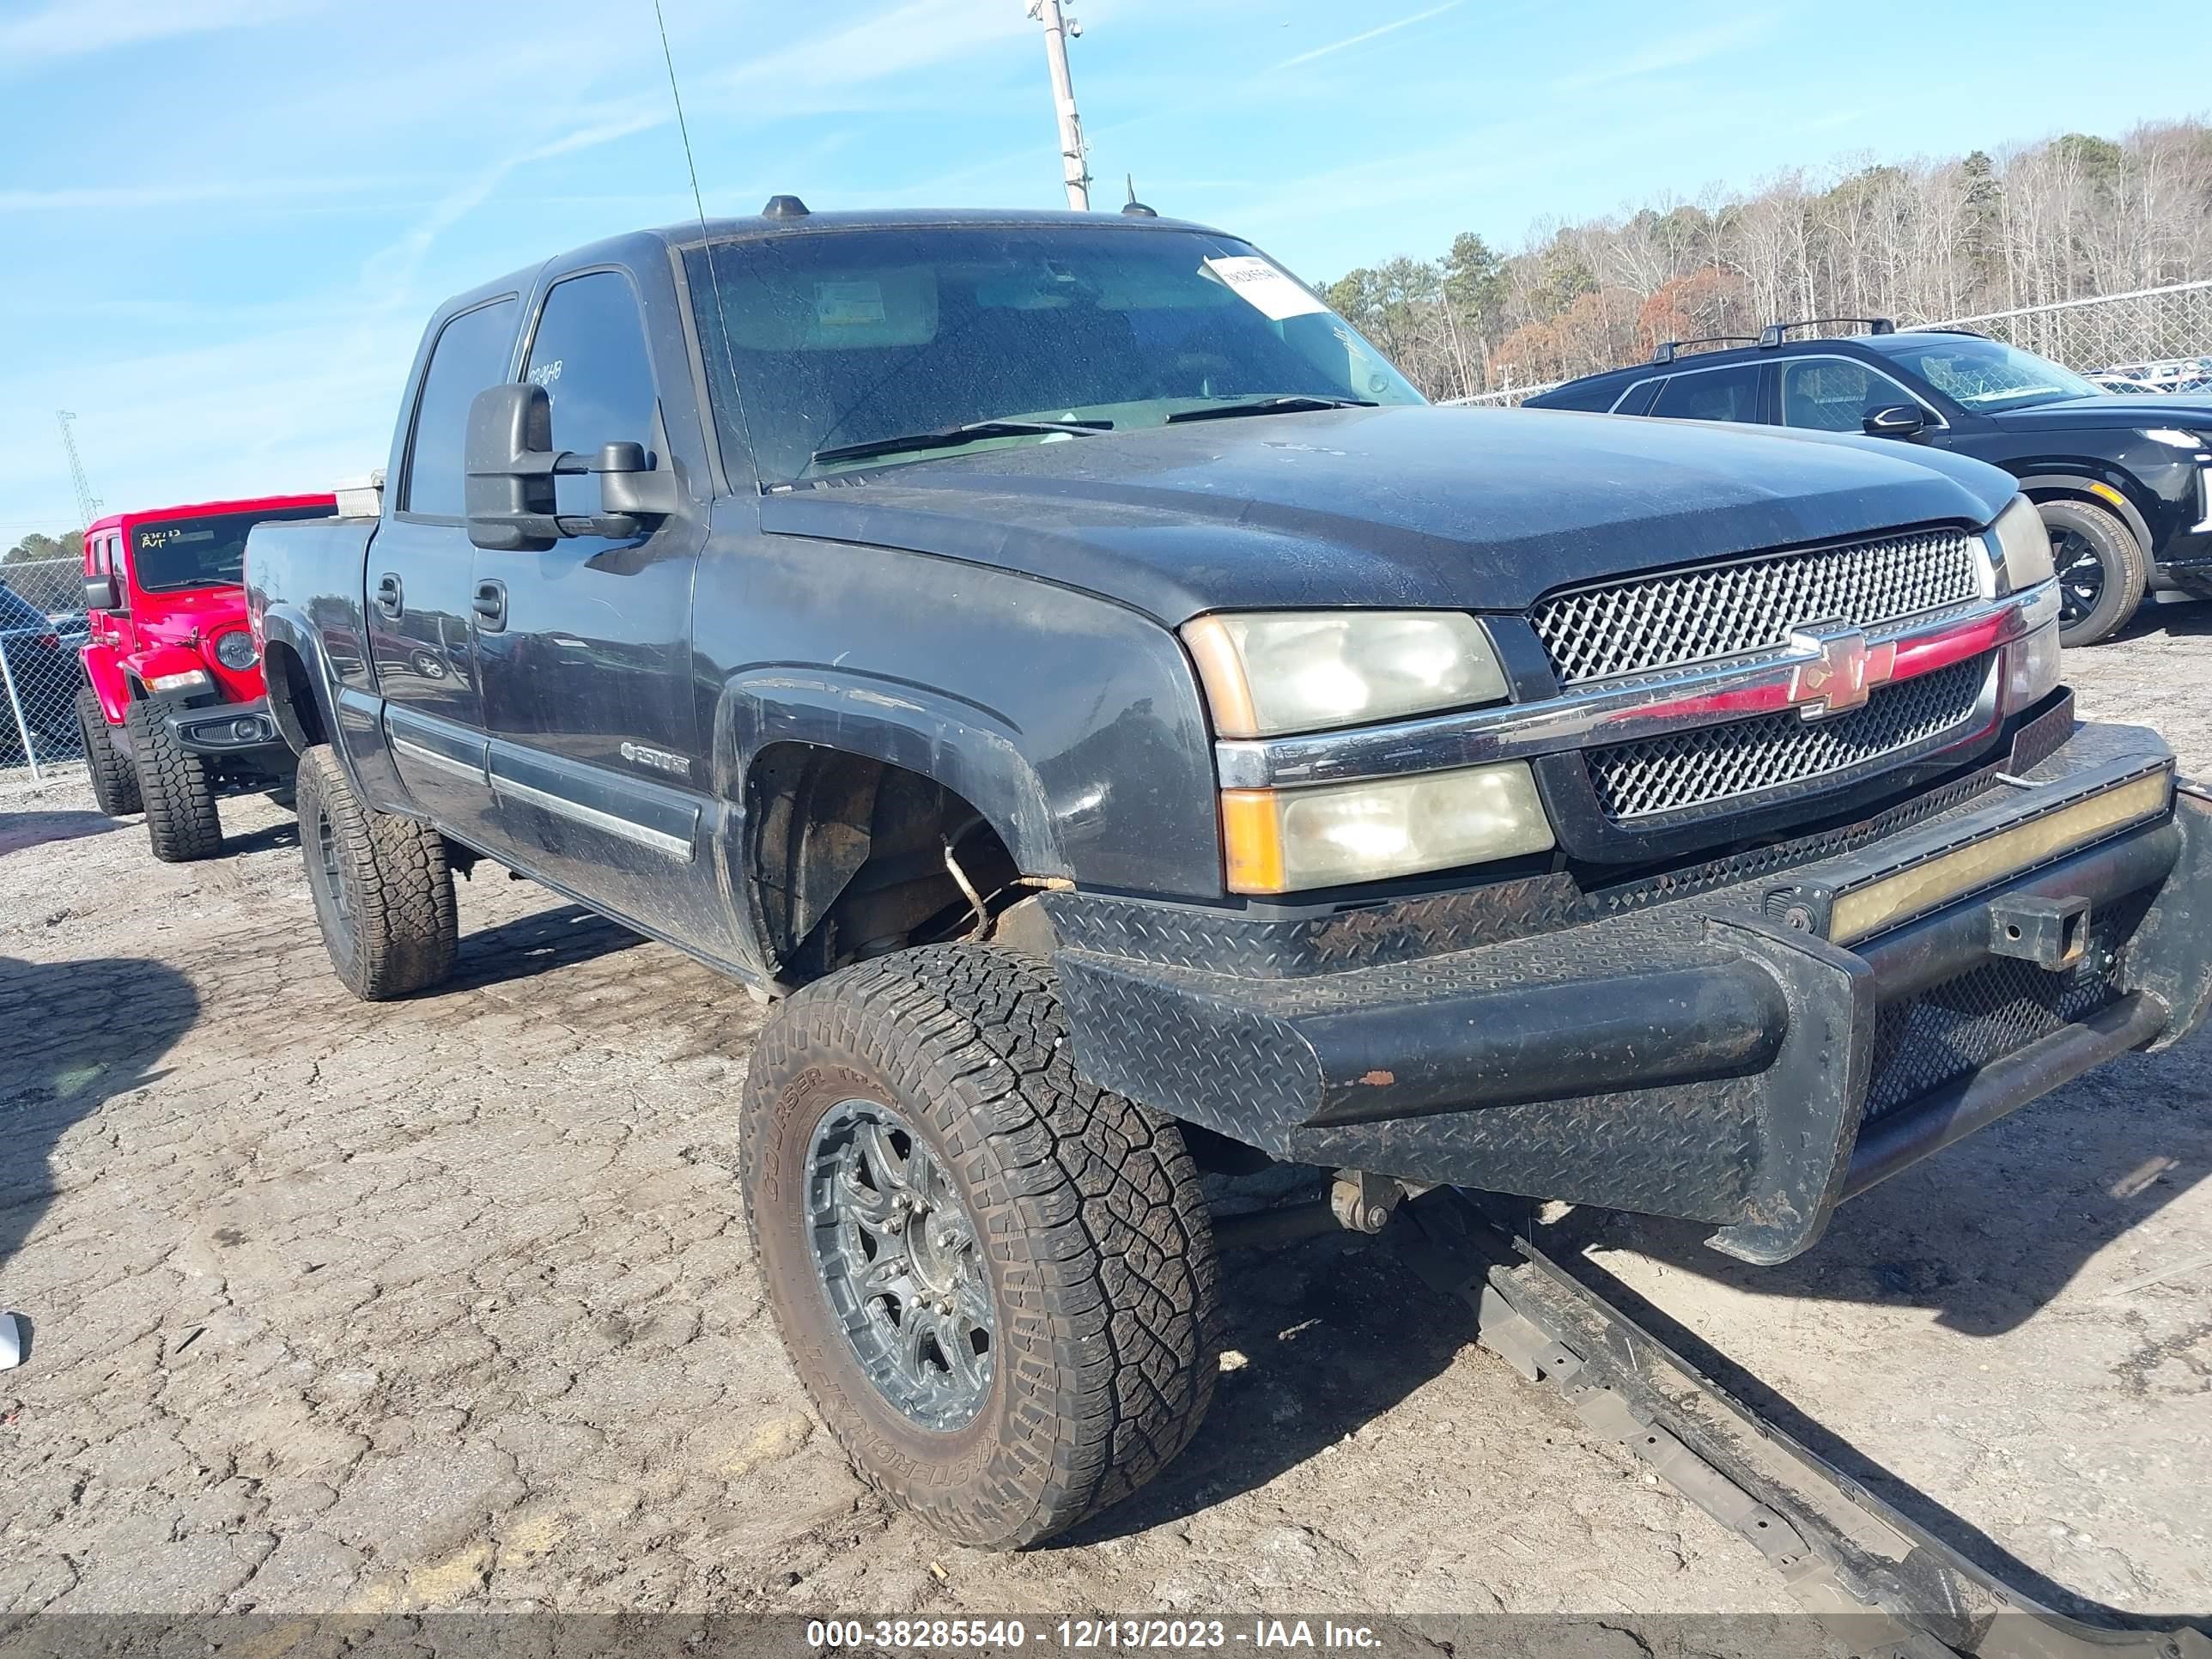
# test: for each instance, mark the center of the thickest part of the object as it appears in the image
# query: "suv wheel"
(996, 1282)
(114, 781)
(383, 891)
(2101, 570)
(174, 785)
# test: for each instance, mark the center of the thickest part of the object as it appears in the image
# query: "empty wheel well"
(850, 857)
(292, 699)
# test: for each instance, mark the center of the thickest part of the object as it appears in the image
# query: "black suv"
(2123, 483)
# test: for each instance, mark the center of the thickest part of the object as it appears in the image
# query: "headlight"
(191, 680)
(2022, 546)
(235, 651)
(1286, 841)
(1266, 673)
(2177, 438)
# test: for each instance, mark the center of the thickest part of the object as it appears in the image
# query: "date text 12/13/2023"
(1083, 1635)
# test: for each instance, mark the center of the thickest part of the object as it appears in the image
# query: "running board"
(1879, 1581)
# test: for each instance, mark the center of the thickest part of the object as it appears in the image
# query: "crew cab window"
(1710, 394)
(589, 354)
(1830, 394)
(470, 354)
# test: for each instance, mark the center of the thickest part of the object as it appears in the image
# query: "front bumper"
(1748, 1043)
(242, 733)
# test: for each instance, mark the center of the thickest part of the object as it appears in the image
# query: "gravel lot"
(448, 1304)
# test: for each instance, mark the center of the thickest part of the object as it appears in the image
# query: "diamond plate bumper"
(1711, 1055)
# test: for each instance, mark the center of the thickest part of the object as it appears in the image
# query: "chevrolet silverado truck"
(1122, 729)
(171, 708)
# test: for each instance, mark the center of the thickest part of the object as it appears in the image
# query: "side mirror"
(1898, 420)
(100, 593)
(510, 464)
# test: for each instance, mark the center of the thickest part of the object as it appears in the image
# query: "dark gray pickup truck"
(1123, 729)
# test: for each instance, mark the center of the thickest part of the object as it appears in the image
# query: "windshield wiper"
(947, 437)
(1290, 405)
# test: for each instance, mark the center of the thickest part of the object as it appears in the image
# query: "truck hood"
(2188, 410)
(1411, 506)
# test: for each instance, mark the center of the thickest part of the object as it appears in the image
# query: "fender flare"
(967, 748)
(142, 665)
(2077, 484)
(352, 723)
(110, 680)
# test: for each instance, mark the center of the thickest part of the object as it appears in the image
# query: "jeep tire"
(114, 779)
(925, 1173)
(178, 794)
(2101, 568)
(383, 891)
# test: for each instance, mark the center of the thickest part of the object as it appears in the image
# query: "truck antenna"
(698, 203)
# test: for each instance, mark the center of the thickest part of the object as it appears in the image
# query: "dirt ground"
(448, 1304)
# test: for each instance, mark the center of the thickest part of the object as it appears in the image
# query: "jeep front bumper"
(1746, 1043)
(244, 732)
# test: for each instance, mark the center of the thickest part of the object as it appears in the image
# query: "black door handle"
(490, 604)
(389, 597)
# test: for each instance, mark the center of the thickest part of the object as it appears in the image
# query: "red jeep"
(174, 709)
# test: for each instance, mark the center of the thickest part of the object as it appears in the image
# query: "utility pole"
(1074, 170)
(87, 503)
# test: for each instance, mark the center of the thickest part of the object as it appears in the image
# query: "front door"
(419, 580)
(597, 765)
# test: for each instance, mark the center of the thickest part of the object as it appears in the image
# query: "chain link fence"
(2151, 325)
(42, 623)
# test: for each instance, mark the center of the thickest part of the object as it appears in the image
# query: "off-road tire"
(2126, 570)
(114, 779)
(383, 891)
(178, 796)
(1086, 1206)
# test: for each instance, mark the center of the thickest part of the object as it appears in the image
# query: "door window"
(1712, 394)
(470, 354)
(589, 354)
(1830, 394)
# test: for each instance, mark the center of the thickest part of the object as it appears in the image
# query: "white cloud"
(829, 72)
(69, 28)
(1677, 51)
(1366, 35)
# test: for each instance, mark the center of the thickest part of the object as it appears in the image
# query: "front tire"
(383, 891)
(996, 1281)
(114, 781)
(2101, 568)
(178, 796)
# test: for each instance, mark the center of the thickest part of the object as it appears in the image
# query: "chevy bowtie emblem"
(1845, 671)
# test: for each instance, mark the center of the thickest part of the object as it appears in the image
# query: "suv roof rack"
(1666, 351)
(1773, 334)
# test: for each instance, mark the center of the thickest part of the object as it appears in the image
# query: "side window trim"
(1874, 369)
(406, 482)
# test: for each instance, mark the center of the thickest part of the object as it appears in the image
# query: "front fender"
(2042, 484)
(156, 660)
(103, 671)
(965, 747)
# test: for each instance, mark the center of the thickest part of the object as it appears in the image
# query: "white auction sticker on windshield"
(848, 304)
(1269, 290)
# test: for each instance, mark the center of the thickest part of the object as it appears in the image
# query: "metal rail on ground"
(1879, 1581)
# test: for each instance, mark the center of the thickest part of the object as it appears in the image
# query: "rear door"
(596, 756)
(420, 577)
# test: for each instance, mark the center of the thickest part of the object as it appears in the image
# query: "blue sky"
(225, 219)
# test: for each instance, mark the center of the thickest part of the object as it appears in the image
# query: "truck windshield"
(1986, 374)
(170, 555)
(843, 339)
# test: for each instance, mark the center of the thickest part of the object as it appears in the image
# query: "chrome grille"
(1728, 766)
(1752, 604)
